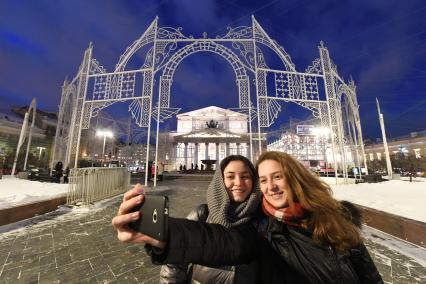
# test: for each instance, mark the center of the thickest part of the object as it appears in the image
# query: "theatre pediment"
(211, 111)
(210, 133)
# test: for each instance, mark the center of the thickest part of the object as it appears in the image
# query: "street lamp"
(40, 149)
(105, 134)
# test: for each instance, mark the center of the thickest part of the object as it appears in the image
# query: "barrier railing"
(88, 185)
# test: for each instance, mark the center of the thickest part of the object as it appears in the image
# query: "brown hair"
(247, 163)
(327, 219)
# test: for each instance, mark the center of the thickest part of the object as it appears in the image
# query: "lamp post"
(40, 149)
(385, 143)
(105, 134)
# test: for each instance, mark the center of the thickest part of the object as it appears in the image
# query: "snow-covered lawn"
(399, 197)
(14, 191)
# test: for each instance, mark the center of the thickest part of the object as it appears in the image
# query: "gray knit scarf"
(224, 212)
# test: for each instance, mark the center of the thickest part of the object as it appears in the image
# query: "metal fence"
(88, 185)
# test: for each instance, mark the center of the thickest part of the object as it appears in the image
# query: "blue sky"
(381, 44)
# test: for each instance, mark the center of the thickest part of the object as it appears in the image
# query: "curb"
(406, 229)
(18, 213)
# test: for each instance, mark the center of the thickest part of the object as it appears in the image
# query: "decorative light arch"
(63, 147)
(243, 48)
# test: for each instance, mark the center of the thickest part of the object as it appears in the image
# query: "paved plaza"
(80, 246)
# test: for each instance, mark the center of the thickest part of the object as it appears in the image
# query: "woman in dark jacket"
(309, 238)
(232, 198)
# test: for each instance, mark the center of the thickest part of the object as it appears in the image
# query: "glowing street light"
(321, 131)
(105, 134)
(40, 149)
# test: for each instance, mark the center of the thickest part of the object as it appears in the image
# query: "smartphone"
(154, 217)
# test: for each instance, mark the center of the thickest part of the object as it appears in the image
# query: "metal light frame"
(242, 47)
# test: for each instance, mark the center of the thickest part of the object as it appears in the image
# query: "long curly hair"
(329, 222)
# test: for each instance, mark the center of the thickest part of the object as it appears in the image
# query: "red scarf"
(289, 215)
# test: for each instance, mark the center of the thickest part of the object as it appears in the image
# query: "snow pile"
(398, 197)
(15, 192)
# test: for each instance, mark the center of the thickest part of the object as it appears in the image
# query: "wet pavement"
(80, 246)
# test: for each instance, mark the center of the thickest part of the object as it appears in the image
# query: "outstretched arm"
(190, 241)
(209, 244)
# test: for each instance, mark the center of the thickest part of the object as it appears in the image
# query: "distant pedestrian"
(202, 167)
(196, 167)
(149, 169)
(153, 169)
(58, 171)
(160, 171)
(184, 168)
(192, 166)
(412, 173)
(180, 167)
(66, 174)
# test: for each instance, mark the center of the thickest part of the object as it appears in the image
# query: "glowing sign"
(305, 130)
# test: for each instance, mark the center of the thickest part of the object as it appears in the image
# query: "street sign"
(305, 130)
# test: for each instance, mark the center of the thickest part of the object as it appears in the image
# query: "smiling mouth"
(276, 195)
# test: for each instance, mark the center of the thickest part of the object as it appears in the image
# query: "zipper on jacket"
(337, 264)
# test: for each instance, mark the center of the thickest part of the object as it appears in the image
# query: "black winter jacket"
(286, 255)
(244, 274)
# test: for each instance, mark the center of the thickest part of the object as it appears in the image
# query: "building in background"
(414, 144)
(309, 143)
(11, 120)
(209, 133)
(134, 155)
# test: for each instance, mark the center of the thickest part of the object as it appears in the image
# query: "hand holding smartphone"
(154, 217)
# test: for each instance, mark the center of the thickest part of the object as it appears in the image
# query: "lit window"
(379, 156)
(371, 156)
(417, 153)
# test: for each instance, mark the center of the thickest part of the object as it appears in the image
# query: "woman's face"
(273, 183)
(238, 181)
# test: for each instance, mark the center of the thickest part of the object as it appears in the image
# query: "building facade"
(134, 154)
(414, 144)
(41, 139)
(210, 133)
(311, 145)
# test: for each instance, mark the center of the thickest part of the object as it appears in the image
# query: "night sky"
(380, 43)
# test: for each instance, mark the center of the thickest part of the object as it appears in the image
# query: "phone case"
(154, 217)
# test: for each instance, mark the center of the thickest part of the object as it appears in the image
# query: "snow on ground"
(14, 191)
(398, 197)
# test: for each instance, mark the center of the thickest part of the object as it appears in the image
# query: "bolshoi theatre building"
(209, 133)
